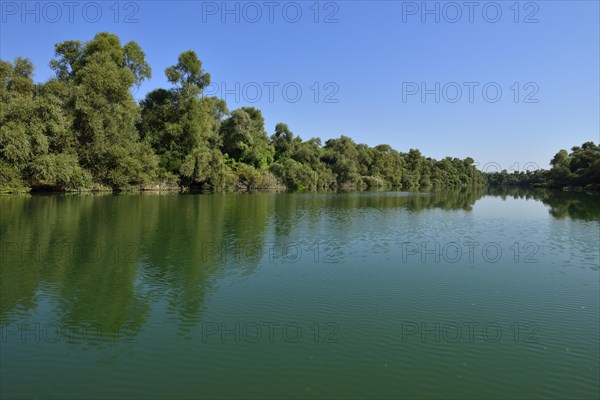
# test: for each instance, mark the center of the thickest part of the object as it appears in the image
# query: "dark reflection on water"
(576, 205)
(102, 260)
(142, 268)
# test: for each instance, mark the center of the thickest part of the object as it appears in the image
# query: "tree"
(18, 144)
(283, 141)
(342, 157)
(388, 164)
(579, 168)
(135, 61)
(83, 128)
(244, 138)
(183, 128)
(188, 75)
(104, 115)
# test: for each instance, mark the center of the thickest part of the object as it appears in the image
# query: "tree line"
(83, 130)
(579, 168)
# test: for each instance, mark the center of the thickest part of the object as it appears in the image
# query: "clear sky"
(423, 75)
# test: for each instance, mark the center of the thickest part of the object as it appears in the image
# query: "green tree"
(244, 138)
(104, 111)
(581, 167)
(341, 156)
(283, 141)
(182, 127)
(188, 75)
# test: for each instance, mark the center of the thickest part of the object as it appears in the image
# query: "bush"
(295, 176)
(250, 178)
(374, 182)
(61, 171)
(10, 179)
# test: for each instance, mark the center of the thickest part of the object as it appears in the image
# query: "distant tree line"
(83, 130)
(578, 169)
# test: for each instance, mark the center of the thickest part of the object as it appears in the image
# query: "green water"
(462, 294)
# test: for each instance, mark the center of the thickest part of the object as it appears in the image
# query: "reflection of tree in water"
(131, 254)
(456, 199)
(576, 205)
(294, 210)
(451, 199)
(581, 205)
(102, 260)
(515, 192)
(19, 280)
(193, 243)
(78, 253)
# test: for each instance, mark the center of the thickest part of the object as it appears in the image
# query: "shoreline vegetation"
(83, 131)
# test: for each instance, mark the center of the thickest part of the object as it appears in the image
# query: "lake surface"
(462, 294)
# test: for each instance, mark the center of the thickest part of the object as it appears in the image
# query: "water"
(461, 294)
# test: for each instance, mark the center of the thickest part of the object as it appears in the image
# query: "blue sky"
(362, 66)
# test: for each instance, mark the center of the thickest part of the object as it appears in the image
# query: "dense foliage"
(83, 130)
(580, 168)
